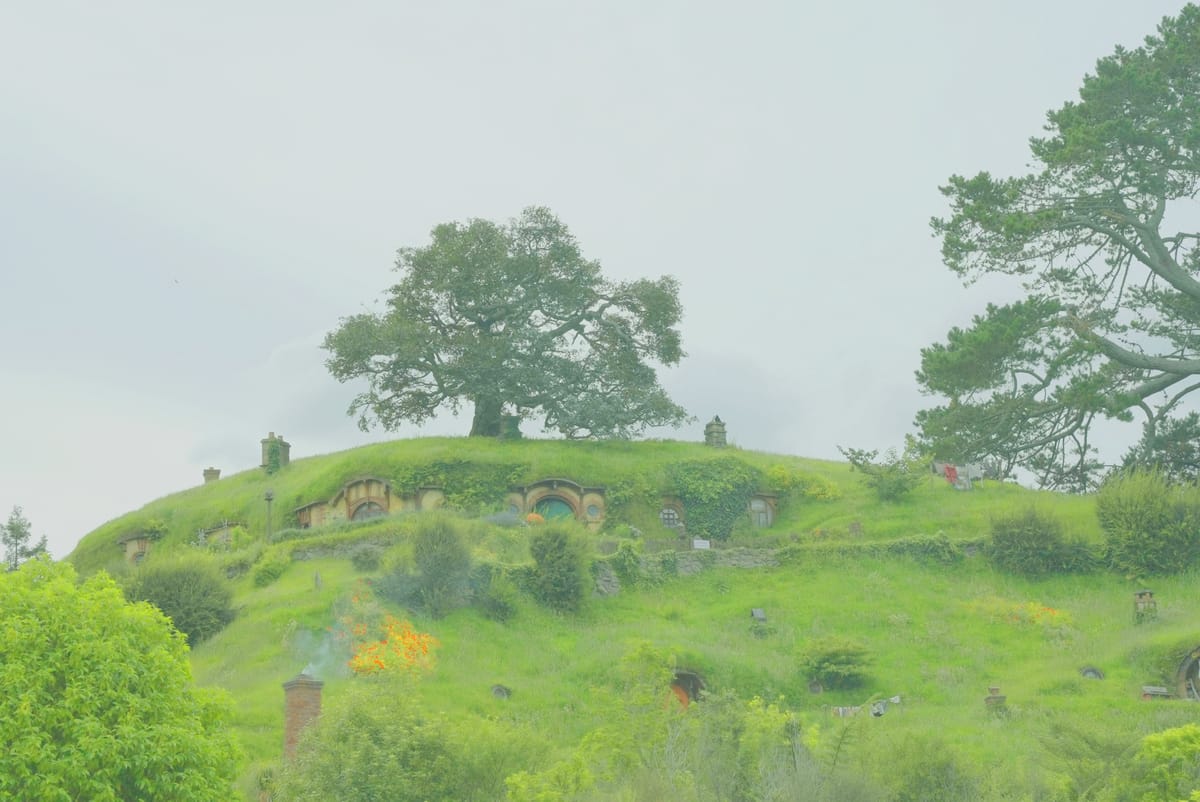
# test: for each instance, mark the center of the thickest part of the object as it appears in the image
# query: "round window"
(593, 511)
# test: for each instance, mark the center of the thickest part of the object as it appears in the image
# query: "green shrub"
(627, 563)
(927, 770)
(1150, 526)
(1033, 544)
(835, 661)
(443, 564)
(494, 593)
(560, 571)
(368, 749)
(271, 567)
(892, 478)
(367, 557)
(192, 594)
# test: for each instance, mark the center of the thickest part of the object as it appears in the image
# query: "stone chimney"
(301, 706)
(285, 450)
(714, 432)
(211, 475)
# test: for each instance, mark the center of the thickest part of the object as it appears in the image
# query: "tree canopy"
(1103, 236)
(512, 319)
(15, 535)
(98, 700)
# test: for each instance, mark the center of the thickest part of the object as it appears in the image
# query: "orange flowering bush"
(401, 648)
(379, 642)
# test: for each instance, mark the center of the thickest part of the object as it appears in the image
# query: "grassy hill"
(942, 625)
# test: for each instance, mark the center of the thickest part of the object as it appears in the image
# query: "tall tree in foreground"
(15, 534)
(98, 699)
(515, 321)
(1103, 236)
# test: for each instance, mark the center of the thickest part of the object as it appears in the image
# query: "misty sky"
(192, 195)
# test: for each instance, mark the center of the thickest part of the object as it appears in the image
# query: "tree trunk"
(486, 422)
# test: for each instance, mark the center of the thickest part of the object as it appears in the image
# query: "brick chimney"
(301, 706)
(211, 475)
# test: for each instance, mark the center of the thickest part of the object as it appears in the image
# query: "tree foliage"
(893, 477)
(1110, 324)
(560, 570)
(1150, 526)
(365, 750)
(836, 661)
(98, 701)
(513, 319)
(1032, 543)
(15, 534)
(192, 593)
(443, 564)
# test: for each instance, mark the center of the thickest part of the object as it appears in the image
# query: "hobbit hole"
(367, 497)
(559, 499)
(687, 687)
(1187, 678)
(762, 510)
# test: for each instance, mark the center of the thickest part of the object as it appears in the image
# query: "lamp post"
(269, 497)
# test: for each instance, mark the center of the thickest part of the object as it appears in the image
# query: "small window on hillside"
(669, 517)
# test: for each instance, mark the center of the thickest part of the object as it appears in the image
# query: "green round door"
(552, 508)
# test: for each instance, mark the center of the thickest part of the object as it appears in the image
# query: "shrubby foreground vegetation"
(98, 701)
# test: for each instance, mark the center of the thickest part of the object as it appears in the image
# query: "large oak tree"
(1102, 233)
(512, 319)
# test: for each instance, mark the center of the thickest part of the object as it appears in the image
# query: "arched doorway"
(554, 508)
(368, 509)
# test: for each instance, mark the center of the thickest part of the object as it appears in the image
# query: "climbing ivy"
(469, 486)
(714, 492)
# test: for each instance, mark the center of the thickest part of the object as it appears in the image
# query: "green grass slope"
(940, 634)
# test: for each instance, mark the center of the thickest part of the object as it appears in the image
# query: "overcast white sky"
(191, 195)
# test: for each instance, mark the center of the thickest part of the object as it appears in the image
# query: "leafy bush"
(494, 593)
(271, 567)
(365, 750)
(1033, 544)
(928, 770)
(98, 700)
(836, 662)
(790, 482)
(892, 478)
(715, 493)
(1150, 526)
(627, 563)
(559, 568)
(367, 557)
(192, 594)
(469, 486)
(443, 563)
